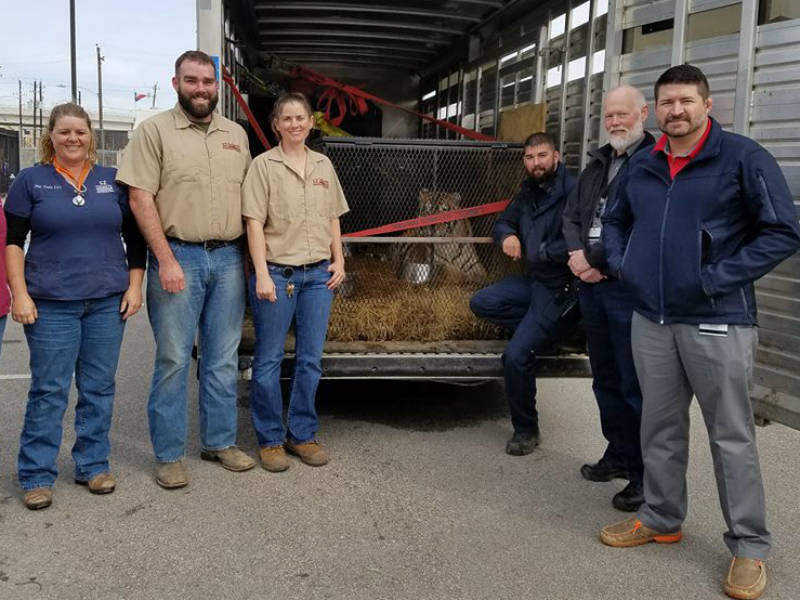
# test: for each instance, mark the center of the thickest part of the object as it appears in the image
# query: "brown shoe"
(231, 458)
(37, 498)
(747, 578)
(171, 475)
(631, 532)
(312, 453)
(100, 484)
(273, 458)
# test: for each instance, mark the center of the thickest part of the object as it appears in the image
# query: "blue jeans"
(607, 308)
(213, 301)
(309, 307)
(81, 337)
(2, 329)
(536, 315)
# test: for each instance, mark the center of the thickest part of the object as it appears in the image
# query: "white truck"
(472, 62)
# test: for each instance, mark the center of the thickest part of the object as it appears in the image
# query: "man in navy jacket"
(536, 306)
(700, 217)
(606, 303)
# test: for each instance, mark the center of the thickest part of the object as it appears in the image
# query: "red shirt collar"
(661, 144)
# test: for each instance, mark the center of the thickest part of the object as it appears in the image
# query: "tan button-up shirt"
(195, 175)
(295, 208)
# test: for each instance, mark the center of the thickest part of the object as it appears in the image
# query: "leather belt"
(207, 245)
(288, 270)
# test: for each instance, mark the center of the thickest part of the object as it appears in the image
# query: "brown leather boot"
(103, 483)
(312, 453)
(747, 578)
(37, 498)
(273, 458)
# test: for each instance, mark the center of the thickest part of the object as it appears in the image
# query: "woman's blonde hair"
(282, 101)
(46, 150)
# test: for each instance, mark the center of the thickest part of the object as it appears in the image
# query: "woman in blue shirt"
(72, 291)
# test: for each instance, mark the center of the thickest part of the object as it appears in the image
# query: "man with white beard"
(606, 304)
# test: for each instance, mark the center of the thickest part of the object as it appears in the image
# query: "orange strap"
(76, 183)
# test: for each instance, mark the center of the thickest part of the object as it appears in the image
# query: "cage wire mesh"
(415, 285)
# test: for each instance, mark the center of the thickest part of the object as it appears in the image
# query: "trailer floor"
(419, 502)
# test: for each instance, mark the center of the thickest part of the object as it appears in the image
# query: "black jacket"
(534, 216)
(582, 202)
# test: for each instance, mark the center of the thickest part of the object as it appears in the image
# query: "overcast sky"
(139, 39)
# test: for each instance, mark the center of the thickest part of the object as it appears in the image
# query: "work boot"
(273, 458)
(522, 443)
(99, 484)
(630, 498)
(631, 532)
(312, 453)
(171, 475)
(602, 470)
(231, 458)
(747, 578)
(37, 498)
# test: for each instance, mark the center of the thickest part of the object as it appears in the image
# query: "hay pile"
(383, 307)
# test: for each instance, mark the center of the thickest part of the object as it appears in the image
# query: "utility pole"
(100, 98)
(34, 115)
(41, 101)
(21, 133)
(155, 90)
(73, 59)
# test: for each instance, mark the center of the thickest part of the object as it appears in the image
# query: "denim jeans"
(81, 337)
(213, 301)
(2, 329)
(309, 307)
(607, 308)
(537, 316)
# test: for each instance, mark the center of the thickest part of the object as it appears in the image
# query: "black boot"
(630, 498)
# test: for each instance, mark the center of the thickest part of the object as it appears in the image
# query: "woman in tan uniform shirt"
(291, 202)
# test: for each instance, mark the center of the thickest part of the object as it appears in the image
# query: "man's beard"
(544, 175)
(197, 112)
(620, 143)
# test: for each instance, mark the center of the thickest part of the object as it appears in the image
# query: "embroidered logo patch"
(323, 182)
(229, 146)
(104, 188)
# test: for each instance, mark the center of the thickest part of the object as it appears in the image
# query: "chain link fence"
(414, 285)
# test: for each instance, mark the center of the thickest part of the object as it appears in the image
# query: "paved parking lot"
(419, 502)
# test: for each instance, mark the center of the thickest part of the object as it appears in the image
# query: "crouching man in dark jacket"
(535, 307)
(699, 218)
(606, 304)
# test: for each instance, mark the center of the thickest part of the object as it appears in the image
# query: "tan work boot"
(273, 458)
(747, 578)
(312, 453)
(100, 484)
(171, 475)
(631, 532)
(231, 458)
(37, 498)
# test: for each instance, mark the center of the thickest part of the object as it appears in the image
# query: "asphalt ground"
(419, 502)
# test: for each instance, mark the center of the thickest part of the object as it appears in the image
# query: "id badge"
(718, 330)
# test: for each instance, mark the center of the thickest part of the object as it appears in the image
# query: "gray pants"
(674, 362)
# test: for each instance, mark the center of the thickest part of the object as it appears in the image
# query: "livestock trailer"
(474, 64)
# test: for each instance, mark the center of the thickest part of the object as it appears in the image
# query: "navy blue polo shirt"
(75, 252)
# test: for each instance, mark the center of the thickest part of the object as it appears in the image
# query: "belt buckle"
(210, 245)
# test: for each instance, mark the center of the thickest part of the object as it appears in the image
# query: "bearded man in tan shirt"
(185, 168)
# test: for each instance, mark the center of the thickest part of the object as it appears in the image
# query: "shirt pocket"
(286, 199)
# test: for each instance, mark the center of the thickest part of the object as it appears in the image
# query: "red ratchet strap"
(437, 219)
(348, 96)
(226, 77)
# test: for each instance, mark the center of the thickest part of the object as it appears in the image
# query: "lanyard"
(77, 184)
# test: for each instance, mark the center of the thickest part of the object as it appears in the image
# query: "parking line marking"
(16, 376)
